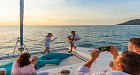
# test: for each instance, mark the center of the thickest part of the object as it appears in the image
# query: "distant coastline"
(131, 22)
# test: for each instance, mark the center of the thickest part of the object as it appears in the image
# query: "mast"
(21, 22)
(21, 29)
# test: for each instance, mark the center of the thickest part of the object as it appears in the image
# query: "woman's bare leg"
(46, 50)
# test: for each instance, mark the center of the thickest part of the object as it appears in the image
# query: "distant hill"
(131, 22)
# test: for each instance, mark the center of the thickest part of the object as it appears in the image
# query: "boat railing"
(35, 46)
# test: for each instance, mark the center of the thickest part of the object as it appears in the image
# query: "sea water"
(91, 36)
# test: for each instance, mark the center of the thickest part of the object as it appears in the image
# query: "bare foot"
(69, 51)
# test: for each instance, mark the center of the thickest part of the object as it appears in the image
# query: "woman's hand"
(111, 65)
(113, 50)
(34, 60)
(94, 54)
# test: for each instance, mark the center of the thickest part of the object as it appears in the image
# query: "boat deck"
(81, 55)
(72, 60)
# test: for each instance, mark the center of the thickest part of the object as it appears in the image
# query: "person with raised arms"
(127, 63)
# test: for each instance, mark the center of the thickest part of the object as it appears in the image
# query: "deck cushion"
(51, 58)
(55, 56)
(7, 67)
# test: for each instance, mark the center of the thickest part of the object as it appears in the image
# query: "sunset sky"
(69, 12)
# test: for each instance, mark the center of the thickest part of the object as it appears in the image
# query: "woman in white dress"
(47, 42)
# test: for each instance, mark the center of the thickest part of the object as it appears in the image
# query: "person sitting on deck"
(72, 39)
(23, 66)
(124, 64)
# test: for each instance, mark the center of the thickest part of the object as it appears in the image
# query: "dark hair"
(130, 62)
(135, 41)
(48, 35)
(23, 59)
(72, 31)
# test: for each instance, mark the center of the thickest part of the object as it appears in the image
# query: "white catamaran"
(79, 57)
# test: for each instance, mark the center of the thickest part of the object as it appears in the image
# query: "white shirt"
(74, 37)
(83, 70)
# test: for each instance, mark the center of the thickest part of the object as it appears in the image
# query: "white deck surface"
(73, 63)
(100, 64)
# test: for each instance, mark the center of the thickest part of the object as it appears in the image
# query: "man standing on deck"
(72, 39)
